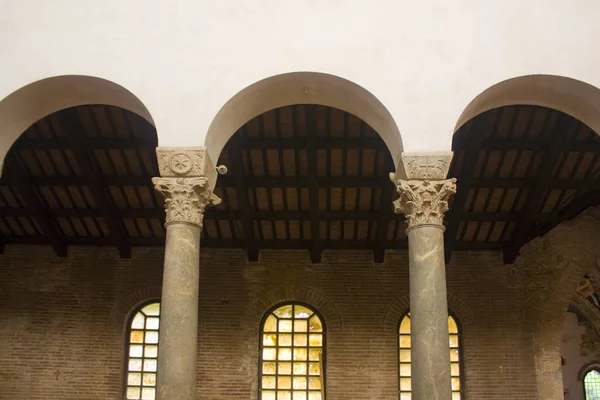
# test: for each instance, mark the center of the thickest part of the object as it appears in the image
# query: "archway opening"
(308, 177)
(82, 176)
(521, 170)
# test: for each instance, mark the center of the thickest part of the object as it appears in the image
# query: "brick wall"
(62, 321)
(549, 269)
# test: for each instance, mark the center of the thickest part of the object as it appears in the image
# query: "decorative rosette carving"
(424, 202)
(185, 163)
(186, 198)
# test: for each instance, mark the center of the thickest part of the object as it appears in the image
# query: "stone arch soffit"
(570, 96)
(457, 308)
(587, 368)
(302, 88)
(280, 295)
(29, 104)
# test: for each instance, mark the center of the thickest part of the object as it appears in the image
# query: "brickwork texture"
(63, 321)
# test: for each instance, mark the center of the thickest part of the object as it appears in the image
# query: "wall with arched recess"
(302, 88)
(29, 104)
(576, 360)
(185, 62)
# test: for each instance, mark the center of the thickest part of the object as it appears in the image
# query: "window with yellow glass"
(404, 345)
(142, 354)
(291, 354)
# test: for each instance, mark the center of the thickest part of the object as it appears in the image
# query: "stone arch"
(458, 308)
(24, 107)
(587, 368)
(123, 309)
(304, 294)
(570, 96)
(394, 312)
(302, 88)
(462, 312)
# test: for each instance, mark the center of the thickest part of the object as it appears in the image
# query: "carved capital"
(424, 202)
(186, 198)
(186, 162)
(431, 166)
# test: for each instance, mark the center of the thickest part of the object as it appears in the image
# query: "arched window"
(291, 354)
(142, 353)
(404, 345)
(591, 385)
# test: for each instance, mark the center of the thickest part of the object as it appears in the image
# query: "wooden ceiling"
(300, 177)
(521, 171)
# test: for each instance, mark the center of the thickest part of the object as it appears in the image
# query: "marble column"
(188, 178)
(424, 195)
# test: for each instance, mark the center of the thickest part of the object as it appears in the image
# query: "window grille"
(142, 355)
(404, 345)
(591, 384)
(291, 354)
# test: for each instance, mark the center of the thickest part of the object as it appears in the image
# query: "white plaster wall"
(574, 361)
(424, 60)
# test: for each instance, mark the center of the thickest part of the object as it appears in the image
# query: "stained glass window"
(591, 384)
(291, 354)
(404, 345)
(142, 356)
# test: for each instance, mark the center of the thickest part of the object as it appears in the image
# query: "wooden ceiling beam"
(279, 215)
(464, 184)
(352, 143)
(526, 183)
(313, 180)
(242, 196)
(298, 244)
(538, 144)
(562, 129)
(307, 181)
(73, 128)
(370, 143)
(376, 143)
(78, 180)
(386, 214)
(304, 182)
(83, 212)
(37, 210)
(27, 143)
(570, 211)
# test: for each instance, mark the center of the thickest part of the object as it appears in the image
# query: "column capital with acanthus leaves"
(425, 192)
(187, 180)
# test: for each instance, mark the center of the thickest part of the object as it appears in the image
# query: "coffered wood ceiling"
(300, 177)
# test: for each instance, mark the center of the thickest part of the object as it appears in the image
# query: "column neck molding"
(187, 180)
(424, 190)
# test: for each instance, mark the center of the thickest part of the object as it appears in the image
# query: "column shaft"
(429, 314)
(424, 200)
(179, 314)
(188, 178)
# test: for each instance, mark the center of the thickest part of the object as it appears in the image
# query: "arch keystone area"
(302, 88)
(570, 96)
(27, 105)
